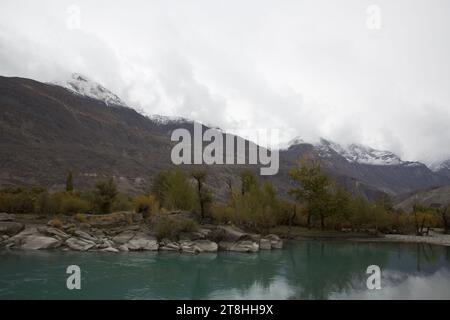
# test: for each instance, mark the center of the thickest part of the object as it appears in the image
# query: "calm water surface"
(303, 270)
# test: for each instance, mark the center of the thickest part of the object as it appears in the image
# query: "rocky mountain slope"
(47, 130)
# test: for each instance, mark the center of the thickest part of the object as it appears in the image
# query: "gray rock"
(275, 241)
(4, 217)
(264, 244)
(124, 248)
(110, 249)
(124, 237)
(167, 245)
(79, 244)
(231, 233)
(142, 241)
(10, 228)
(53, 232)
(189, 247)
(84, 235)
(40, 242)
(206, 245)
(239, 246)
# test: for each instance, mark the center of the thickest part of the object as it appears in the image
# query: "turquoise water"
(303, 270)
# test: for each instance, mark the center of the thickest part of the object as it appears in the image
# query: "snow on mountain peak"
(440, 165)
(359, 153)
(84, 86)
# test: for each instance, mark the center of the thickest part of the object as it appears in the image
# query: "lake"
(303, 270)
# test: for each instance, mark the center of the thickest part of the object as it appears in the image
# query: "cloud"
(309, 68)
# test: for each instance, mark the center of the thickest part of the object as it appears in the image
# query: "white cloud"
(310, 68)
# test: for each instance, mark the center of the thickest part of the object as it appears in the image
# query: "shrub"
(72, 204)
(80, 217)
(55, 223)
(170, 228)
(104, 195)
(122, 203)
(147, 205)
(173, 190)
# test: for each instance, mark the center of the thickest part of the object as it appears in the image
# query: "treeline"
(314, 201)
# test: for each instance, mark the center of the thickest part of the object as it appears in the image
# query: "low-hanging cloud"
(310, 68)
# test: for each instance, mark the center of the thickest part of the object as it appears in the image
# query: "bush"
(72, 204)
(170, 228)
(55, 223)
(17, 201)
(147, 205)
(122, 203)
(174, 191)
(80, 217)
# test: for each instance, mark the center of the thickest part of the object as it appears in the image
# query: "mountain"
(47, 130)
(82, 85)
(440, 196)
(382, 170)
(442, 168)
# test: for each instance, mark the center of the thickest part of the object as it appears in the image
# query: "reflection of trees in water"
(317, 269)
(178, 276)
(310, 270)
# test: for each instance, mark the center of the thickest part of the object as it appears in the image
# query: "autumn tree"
(313, 189)
(203, 193)
(105, 193)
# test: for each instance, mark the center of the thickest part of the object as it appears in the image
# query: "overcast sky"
(373, 72)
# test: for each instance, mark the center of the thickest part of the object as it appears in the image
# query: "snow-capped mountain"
(84, 86)
(353, 153)
(440, 165)
(359, 153)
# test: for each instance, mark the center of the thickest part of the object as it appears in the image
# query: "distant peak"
(82, 85)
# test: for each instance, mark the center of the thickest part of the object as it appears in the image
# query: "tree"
(203, 193)
(105, 194)
(173, 190)
(313, 189)
(69, 182)
(248, 181)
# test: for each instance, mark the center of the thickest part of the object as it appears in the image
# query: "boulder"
(142, 241)
(84, 235)
(40, 242)
(264, 244)
(53, 232)
(206, 245)
(239, 246)
(229, 233)
(168, 245)
(6, 217)
(189, 247)
(79, 244)
(110, 249)
(124, 237)
(275, 241)
(10, 228)
(123, 248)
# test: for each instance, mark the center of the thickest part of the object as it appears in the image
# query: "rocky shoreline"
(123, 232)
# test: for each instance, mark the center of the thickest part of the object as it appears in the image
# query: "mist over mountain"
(48, 130)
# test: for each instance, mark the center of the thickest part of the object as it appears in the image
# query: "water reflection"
(305, 270)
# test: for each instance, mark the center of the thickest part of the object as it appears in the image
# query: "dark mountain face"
(398, 178)
(47, 131)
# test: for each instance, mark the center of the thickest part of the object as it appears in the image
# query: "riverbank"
(127, 231)
(435, 237)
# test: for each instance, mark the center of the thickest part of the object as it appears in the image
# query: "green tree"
(173, 190)
(105, 193)
(313, 189)
(69, 182)
(248, 181)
